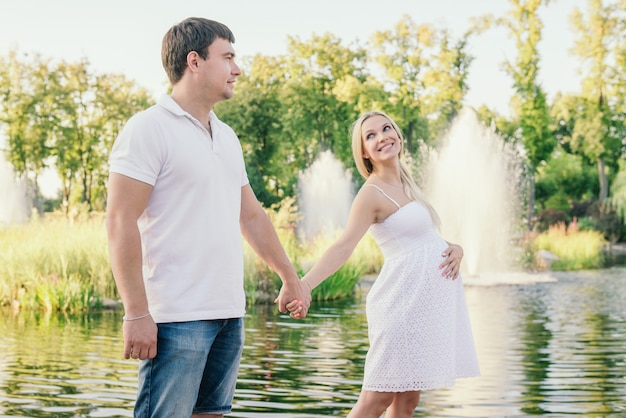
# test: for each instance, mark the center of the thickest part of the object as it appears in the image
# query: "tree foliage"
(64, 115)
(425, 74)
(597, 133)
(288, 108)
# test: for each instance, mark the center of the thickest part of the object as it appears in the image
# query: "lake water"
(549, 348)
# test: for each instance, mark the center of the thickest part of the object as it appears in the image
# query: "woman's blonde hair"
(365, 167)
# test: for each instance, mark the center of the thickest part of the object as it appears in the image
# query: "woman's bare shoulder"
(370, 198)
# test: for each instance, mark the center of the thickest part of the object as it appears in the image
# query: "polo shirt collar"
(170, 104)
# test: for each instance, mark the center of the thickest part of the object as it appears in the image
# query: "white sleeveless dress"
(419, 330)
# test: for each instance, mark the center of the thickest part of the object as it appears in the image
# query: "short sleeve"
(138, 152)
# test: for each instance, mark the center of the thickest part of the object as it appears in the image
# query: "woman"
(418, 325)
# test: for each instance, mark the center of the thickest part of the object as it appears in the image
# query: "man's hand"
(140, 339)
(294, 298)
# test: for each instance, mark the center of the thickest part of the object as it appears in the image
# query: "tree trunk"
(604, 182)
(409, 138)
(531, 203)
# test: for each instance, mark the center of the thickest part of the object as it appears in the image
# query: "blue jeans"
(195, 370)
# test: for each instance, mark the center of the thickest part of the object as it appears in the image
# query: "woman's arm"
(362, 215)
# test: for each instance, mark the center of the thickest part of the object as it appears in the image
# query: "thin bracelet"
(307, 283)
(125, 318)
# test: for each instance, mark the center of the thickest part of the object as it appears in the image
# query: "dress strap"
(383, 192)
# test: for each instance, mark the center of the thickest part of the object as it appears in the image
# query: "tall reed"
(55, 265)
(262, 285)
(340, 284)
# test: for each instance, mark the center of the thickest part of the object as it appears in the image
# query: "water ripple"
(552, 347)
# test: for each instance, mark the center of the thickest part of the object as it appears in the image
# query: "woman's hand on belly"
(451, 265)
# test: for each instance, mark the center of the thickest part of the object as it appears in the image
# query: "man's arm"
(258, 230)
(127, 199)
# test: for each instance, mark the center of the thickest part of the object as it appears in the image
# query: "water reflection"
(59, 366)
(550, 349)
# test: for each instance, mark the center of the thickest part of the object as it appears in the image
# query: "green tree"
(596, 132)
(254, 113)
(565, 178)
(529, 103)
(314, 118)
(445, 80)
(425, 73)
(92, 110)
(618, 75)
(402, 53)
(66, 116)
(29, 89)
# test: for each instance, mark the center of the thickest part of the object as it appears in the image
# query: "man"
(178, 203)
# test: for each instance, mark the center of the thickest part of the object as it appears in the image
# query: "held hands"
(294, 298)
(452, 263)
(298, 309)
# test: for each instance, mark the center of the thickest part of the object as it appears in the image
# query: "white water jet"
(325, 194)
(472, 181)
(15, 202)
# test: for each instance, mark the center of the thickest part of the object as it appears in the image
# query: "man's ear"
(192, 59)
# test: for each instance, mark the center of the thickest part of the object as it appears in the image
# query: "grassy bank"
(59, 265)
(55, 265)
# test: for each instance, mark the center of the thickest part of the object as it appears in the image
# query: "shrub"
(576, 249)
(607, 220)
(549, 217)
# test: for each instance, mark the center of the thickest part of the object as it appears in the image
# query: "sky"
(124, 36)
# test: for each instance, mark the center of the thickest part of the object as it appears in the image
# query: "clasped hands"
(295, 298)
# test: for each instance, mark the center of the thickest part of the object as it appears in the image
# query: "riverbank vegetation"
(574, 249)
(55, 264)
(60, 264)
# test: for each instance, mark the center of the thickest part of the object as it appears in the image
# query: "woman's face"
(380, 140)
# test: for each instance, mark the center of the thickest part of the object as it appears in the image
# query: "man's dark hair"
(192, 34)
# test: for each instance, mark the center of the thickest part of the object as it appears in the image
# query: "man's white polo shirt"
(191, 239)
